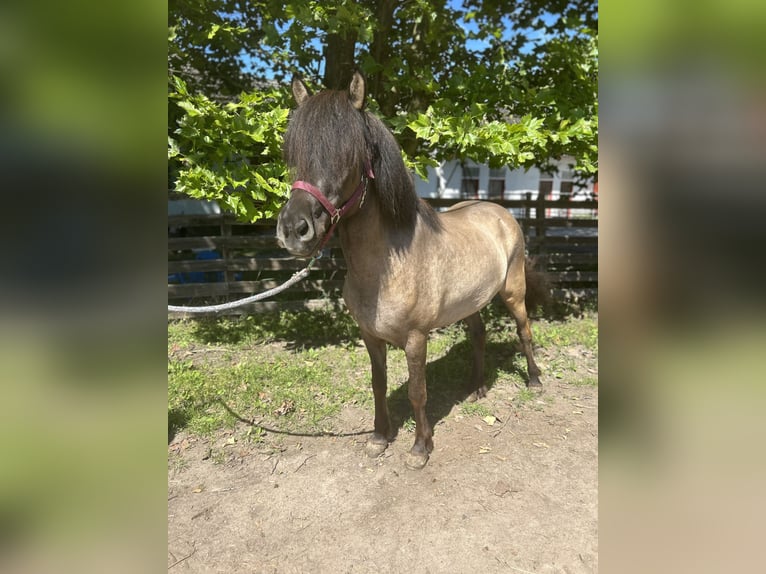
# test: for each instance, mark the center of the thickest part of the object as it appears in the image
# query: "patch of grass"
(185, 383)
(563, 368)
(179, 335)
(574, 365)
(552, 334)
(525, 395)
(587, 381)
(442, 340)
(475, 409)
(254, 435)
(291, 389)
(546, 333)
(530, 398)
(295, 371)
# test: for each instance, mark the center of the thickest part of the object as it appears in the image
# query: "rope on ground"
(298, 276)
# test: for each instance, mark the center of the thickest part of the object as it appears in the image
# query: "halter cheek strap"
(336, 213)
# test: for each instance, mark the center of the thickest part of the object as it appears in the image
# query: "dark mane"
(327, 136)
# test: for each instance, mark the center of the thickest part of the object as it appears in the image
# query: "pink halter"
(336, 213)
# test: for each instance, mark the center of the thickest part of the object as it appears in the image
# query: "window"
(567, 184)
(469, 187)
(545, 188)
(496, 183)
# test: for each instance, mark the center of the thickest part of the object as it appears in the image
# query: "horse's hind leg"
(513, 296)
(378, 442)
(478, 336)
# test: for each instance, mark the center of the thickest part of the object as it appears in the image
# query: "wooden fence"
(214, 258)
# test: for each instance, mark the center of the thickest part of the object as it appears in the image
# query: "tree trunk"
(339, 60)
(381, 53)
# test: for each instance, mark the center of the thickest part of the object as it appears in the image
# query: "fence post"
(540, 222)
(228, 275)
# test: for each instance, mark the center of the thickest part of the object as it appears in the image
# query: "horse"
(409, 269)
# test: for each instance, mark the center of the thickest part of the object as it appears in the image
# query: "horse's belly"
(460, 303)
(392, 315)
(386, 317)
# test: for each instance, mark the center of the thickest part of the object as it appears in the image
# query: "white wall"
(444, 181)
(192, 207)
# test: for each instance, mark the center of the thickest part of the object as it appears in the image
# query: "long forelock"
(325, 136)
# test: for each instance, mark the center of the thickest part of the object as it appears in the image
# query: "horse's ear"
(300, 91)
(356, 91)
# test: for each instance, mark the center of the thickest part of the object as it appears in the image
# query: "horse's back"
(488, 219)
(476, 207)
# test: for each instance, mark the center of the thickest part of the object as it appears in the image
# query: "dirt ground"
(514, 492)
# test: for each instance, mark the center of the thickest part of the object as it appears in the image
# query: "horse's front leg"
(415, 350)
(376, 348)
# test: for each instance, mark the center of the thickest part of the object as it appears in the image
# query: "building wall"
(192, 207)
(445, 181)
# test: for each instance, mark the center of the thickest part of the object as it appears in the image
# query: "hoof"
(534, 383)
(415, 461)
(479, 393)
(375, 446)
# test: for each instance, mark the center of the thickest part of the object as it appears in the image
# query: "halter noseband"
(336, 213)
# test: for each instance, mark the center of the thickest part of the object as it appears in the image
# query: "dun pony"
(410, 270)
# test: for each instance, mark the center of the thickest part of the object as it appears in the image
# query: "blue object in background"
(201, 276)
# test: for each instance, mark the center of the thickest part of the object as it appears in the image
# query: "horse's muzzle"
(296, 234)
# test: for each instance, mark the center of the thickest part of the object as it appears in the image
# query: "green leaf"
(188, 107)
(173, 150)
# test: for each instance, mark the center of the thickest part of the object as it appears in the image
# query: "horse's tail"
(538, 286)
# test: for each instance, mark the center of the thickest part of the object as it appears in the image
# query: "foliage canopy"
(503, 82)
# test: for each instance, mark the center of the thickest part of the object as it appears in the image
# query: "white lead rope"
(297, 276)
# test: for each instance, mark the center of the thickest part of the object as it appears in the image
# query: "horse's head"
(325, 148)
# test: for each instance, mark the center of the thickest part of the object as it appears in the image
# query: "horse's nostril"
(302, 228)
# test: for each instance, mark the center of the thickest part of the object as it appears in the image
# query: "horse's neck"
(366, 240)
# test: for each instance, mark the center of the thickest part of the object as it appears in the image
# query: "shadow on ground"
(176, 421)
(306, 329)
(299, 330)
(448, 381)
